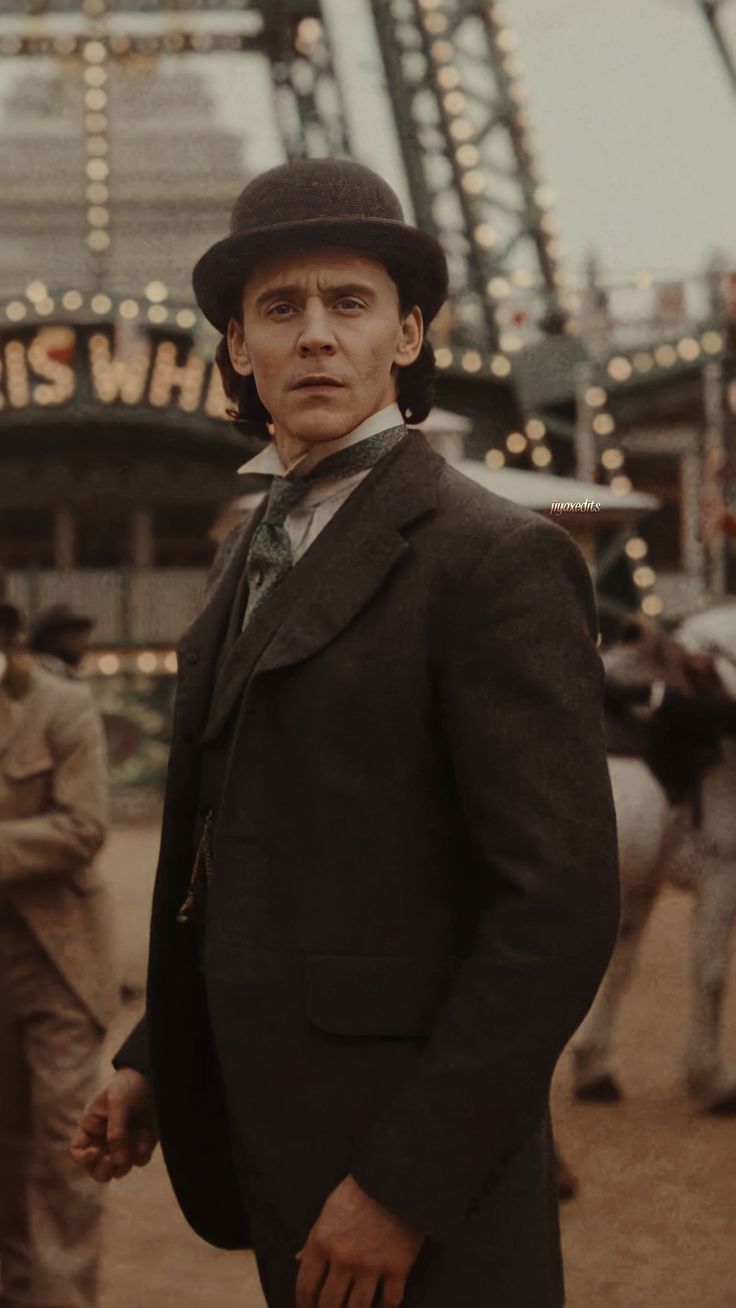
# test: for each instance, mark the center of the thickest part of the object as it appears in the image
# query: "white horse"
(660, 843)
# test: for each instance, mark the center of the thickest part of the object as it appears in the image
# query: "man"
(387, 884)
(59, 638)
(57, 991)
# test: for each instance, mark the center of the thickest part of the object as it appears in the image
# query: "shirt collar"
(269, 462)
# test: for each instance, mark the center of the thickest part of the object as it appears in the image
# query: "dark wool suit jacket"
(415, 893)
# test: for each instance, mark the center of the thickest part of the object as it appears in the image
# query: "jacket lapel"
(337, 575)
(202, 642)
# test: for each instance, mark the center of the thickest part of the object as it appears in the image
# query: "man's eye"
(282, 305)
(349, 300)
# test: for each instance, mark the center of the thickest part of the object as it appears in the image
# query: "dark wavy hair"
(415, 383)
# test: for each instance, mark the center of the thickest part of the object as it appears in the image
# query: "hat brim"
(219, 275)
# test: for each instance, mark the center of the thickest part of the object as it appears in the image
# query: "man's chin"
(325, 421)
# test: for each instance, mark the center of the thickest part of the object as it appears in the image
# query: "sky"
(632, 114)
(636, 127)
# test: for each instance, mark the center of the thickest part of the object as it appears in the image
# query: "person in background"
(59, 638)
(57, 988)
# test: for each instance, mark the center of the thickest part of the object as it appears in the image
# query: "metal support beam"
(455, 89)
(710, 10)
(309, 107)
(291, 33)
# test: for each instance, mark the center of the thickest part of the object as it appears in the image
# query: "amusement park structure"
(113, 421)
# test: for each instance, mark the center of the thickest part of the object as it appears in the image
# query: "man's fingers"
(312, 1271)
(392, 1293)
(143, 1147)
(85, 1156)
(102, 1165)
(118, 1131)
(104, 1169)
(363, 1293)
(335, 1288)
(91, 1129)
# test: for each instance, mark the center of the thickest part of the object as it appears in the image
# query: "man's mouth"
(316, 382)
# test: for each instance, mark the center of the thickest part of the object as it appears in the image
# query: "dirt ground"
(653, 1226)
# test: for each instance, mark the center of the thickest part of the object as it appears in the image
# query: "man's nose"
(317, 332)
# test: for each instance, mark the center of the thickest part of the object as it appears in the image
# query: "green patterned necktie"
(269, 556)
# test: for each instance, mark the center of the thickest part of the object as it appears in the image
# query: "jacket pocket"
(376, 994)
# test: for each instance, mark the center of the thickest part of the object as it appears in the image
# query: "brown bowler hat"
(318, 202)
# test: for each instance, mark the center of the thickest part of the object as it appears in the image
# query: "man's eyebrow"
(287, 292)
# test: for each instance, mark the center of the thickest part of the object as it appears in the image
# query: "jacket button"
(192, 656)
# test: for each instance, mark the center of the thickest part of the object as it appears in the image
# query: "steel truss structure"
(459, 117)
(454, 84)
(290, 33)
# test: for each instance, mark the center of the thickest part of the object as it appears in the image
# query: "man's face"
(331, 312)
(69, 644)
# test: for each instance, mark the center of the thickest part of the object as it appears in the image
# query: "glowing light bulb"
(619, 368)
(636, 548)
(471, 361)
(494, 459)
(156, 291)
(535, 429)
(516, 442)
(603, 424)
(644, 576)
(541, 456)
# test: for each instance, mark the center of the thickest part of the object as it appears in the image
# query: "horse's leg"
(591, 1046)
(715, 914)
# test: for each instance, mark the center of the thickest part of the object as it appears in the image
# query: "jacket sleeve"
(72, 829)
(520, 702)
(134, 1051)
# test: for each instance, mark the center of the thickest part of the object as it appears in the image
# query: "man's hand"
(117, 1130)
(355, 1242)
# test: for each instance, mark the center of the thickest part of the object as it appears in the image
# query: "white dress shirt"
(321, 502)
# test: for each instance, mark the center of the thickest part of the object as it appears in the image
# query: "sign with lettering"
(120, 365)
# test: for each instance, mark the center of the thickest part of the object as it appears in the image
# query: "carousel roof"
(540, 490)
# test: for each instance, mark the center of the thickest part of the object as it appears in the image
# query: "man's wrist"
(387, 1212)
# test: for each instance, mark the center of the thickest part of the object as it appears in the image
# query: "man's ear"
(237, 349)
(412, 335)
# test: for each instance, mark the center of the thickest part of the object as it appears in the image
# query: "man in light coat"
(59, 639)
(57, 987)
(387, 887)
